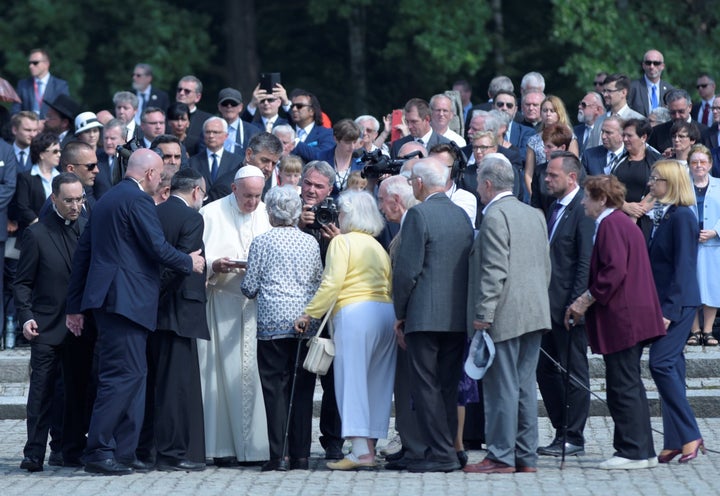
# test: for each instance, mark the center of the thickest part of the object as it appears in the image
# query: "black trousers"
(551, 381)
(276, 364)
(435, 361)
(80, 385)
(173, 428)
(628, 405)
(45, 367)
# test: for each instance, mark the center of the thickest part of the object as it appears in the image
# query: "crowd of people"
(167, 266)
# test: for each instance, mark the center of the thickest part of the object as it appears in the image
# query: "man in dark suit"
(267, 110)
(590, 108)
(60, 118)
(25, 125)
(126, 108)
(215, 162)
(604, 158)
(507, 297)
(679, 104)
(516, 133)
(41, 87)
(152, 125)
(115, 275)
(8, 178)
(417, 118)
(648, 92)
(306, 117)
(109, 172)
(173, 432)
(40, 291)
(429, 293)
(570, 232)
(230, 105)
(147, 95)
(189, 92)
(702, 110)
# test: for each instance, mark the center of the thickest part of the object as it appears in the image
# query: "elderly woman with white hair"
(357, 280)
(283, 273)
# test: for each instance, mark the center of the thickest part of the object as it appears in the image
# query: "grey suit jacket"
(510, 271)
(638, 98)
(431, 267)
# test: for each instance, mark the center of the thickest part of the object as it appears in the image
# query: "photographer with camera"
(319, 218)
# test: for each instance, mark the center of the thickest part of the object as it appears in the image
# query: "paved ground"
(579, 477)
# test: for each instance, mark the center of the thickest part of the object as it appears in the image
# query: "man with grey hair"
(530, 111)
(679, 104)
(126, 106)
(370, 127)
(189, 92)
(235, 427)
(113, 136)
(147, 95)
(429, 295)
(532, 81)
(442, 112)
(590, 108)
(230, 104)
(508, 299)
(215, 162)
(286, 134)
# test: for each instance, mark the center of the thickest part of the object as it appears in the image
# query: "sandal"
(709, 339)
(695, 338)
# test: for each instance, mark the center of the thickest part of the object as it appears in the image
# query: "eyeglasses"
(204, 193)
(268, 101)
(34, 62)
(184, 91)
(653, 62)
(585, 105)
(229, 103)
(300, 106)
(138, 75)
(606, 90)
(482, 148)
(654, 179)
(54, 151)
(713, 108)
(599, 83)
(73, 201)
(505, 104)
(703, 86)
(88, 166)
(411, 178)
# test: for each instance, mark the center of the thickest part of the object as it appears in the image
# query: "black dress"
(634, 175)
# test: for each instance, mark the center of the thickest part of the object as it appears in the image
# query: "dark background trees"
(358, 56)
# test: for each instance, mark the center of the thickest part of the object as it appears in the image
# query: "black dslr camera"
(325, 213)
(375, 164)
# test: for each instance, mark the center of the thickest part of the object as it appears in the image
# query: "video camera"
(375, 164)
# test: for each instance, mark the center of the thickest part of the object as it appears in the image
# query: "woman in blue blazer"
(707, 196)
(673, 257)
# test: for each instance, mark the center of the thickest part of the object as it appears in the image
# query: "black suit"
(173, 427)
(29, 199)
(158, 99)
(227, 166)
(257, 118)
(197, 119)
(241, 142)
(103, 179)
(40, 291)
(435, 138)
(661, 140)
(26, 92)
(570, 249)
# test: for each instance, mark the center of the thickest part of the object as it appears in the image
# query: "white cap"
(248, 171)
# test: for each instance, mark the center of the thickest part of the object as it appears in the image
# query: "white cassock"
(235, 421)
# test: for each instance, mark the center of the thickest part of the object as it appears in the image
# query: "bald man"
(115, 276)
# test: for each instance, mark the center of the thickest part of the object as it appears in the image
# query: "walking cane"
(284, 465)
(566, 380)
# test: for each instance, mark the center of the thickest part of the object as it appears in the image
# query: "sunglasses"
(184, 91)
(138, 75)
(300, 106)
(229, 103)
(268, 100)
(89, 166)
(504, 104)
(703, 85)
(653, 62)
(34, 62)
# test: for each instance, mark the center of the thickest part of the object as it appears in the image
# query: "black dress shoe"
(225, 462)
(180, 466)
(556, 450)
(433, 466)
(333, 452)
(299, 464)
(401, 464)
(72, 462)
(395, 456)
(31, 464)
(108, 467)
(274, 465)
(462, 458)
(55, 459)
(138, 465)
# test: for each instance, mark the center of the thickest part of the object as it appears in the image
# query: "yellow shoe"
(351, 462)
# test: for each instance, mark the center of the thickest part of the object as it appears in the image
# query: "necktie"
(586, 135)
(419, 140)
(554, 218)
(302, 134)
(214, 168)
(268, 126)
(38, 96)
(143, 98)
(229, 144)
(610, 162)
(654, 98)
(22, 159)
(705, 114)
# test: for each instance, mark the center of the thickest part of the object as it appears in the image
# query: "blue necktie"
(654, 98)
(554, 218)
(214, 168)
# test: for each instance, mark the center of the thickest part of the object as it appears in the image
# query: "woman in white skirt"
(707, 195)
(357, 278)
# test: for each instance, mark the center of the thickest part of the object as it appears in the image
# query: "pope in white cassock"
(235, 423)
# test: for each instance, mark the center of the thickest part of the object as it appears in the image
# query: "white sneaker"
(652, 462)
(620, 463)
(394, 446)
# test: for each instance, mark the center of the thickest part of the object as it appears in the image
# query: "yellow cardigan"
(357, 268)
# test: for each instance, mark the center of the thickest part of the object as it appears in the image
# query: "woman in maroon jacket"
(623, 314)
